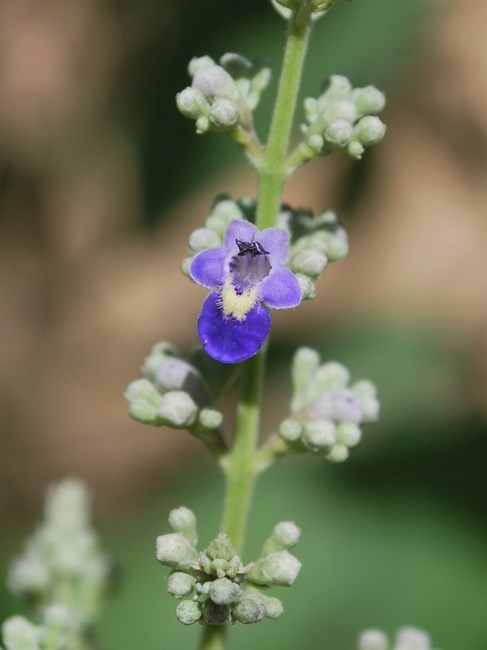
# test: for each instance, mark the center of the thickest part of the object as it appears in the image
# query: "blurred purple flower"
(245, 272)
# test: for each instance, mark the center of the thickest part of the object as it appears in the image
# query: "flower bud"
(215, 82)
(304, 366)
(185, 264)
(280, 568)
(307, 286)
(177, 409)
(348, 434)
(249, 611)
(188, 612)
(364, 388)
(337, 454)
(191, 103)
(337, 245)
(273, 607)
(338, 133)
(369, 130)
(368, 100)
(180, 584)
(202, 125)
(198, 63)
(183, 521)
(157, 353)
(284, 536)
(28, 577)
(210, 418)
(203, 238)
(19, 634)
(370, 409)
(174, 550)
(355, 149)
(316, 142)
(224, 592)
(411, 638)
(331, 375)
(224, 114)
(340, 404)
(318, 434)
(309, 262)
(220, 548)
(144, 402)
(373, 640)
(290, 430)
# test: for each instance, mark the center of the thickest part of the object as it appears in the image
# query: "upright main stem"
(241, 464)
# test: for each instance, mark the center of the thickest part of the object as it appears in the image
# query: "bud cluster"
(213, 586)
(407, 638)
(173, 393)
(316, 241)
(222, 96)
(327, 411)
(62, 556)
(318, 7)
(342, 118)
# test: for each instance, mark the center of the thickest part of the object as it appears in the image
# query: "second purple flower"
(247, 272)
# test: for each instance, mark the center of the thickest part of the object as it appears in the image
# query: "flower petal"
(280, 289)
(208, 267)
(239, 229)
(276, 241)
(227, 339)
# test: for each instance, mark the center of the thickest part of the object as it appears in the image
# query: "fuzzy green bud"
(330, 376)
(355, 149)
(306, 362)
(192, 103)
(183, 521)
(348, 434)
(210, 418)
(249, 611)
(215, 82)
(373, 640)
(411, 638)
(273, 607)
(369, 130)
(174, 550)
(198, 63)
(309, 262)
(224, 114)
(319, 434)
(188, 612)
(144, 402)
(203, 238)
(224, 591)
(20, 634)
(290, 430)
(28, 577)
(180, 585)
(177, 409)
(368, 100)
(284, 536)
(158, 352)
(280, 568)
(202, 125)
(307, 286)
(337, 454)
(338, 134)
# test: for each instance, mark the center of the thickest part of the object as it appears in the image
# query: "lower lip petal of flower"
(227, 339)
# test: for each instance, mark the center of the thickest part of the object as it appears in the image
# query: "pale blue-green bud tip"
(19, 634)
(182, 520)
(412, 638)
(337, 454)
(214, 82)
(307, 286)
(286, 534)
(203, 238)
(280, 568)
(273, 607)
(348, 434)
(224, 114)
(188, 612)
(338, 133)
(210, 418)
(319, 434)
(144, 401)
(290, 430)
(249, 611)
(180, 585)
(192, 104)
(177, 409)
(372, 640)
(224, 592)
(309, 262)
(174, 550)
(369, 130)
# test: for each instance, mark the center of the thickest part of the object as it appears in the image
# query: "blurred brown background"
(102, 181)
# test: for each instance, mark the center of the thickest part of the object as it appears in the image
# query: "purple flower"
(245, 272)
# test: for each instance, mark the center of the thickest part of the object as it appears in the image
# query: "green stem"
(273, 169)
(213, 637)
(241, 468)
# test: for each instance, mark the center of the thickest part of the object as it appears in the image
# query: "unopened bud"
(337, 454)
(318, 434)
(180, 584)
(348, 434)
(284, 536)
(369, 130)
(249, 611)
(338, 133)
(224, 591)
(144, 402)
(310, 262)
(307, 286)
(273, 607)
(373, 640)
(183, 521)
(174, 550)
(280, 568)
(19, 634)
(210, 418)
(192, 103)
(203, 238)
(368, 100)
(411, 638)
(290, 430)
(177, 409)
(224, 113)
(188, 612)
(215, 82)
